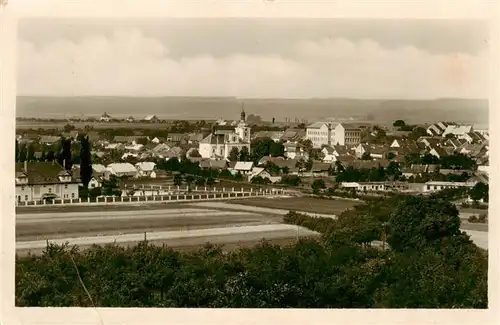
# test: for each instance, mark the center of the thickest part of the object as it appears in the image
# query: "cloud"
(129, 63)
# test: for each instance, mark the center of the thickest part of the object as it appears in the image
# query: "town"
(314, 158)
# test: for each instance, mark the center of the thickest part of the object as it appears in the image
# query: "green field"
(306, 204)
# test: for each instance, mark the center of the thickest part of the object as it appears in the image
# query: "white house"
(105, 117)
(294, 150)
(330, 154)
(151, 118)
(134, 147)
(44, 180)
(145, 168)
(396, 144)
(261, 172)
(457, 130)
(434, 186)
(219, 144)
(364, 186)
(95, 182)
(243, 167)
(122, 169)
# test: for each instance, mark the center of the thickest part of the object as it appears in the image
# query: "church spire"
(243, 115)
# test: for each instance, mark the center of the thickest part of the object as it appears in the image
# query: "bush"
(472, 219)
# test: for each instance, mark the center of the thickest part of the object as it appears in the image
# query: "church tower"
(242, 129)
(242, 114)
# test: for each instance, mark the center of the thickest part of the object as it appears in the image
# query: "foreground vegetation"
(430, 264)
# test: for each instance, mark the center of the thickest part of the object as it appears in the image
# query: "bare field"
(63, 229)
(323, 206)
(99, 208)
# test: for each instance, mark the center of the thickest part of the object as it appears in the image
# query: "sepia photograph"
(252, 163)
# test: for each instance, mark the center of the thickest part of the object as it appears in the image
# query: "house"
(151, 119)
(361, 149)
(438, 129)
(454, 143)
(157, 140)
(293, 135)
(457, 130)
(175, 152)
(176, 137)
(262, 172)
(430, 142)
(219, 143)
(95, 182)
(134, 147)
(195, 138)
(484, 166)
(49, 139)
(438, 152)
(473, 137)
(105, 117)
(122, 170)
(145, 168)
(273, 135)
(44, 180)
(125, 139)
(158, 173)
(161, 147)
(434, 186)
(130, 119)
(364, 186)
(243, 167)
(289, 164)
(378, 152)
(417, 170)
(329, 154)
(213, 164)
(294, 150)
(396, 143)
(320, 169)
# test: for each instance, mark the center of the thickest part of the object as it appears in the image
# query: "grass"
(315, 205)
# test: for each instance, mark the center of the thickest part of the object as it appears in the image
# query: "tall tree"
(50, 156)
(234, 154)
(23, 153)
(244, 154)
(30, 156)
(16, 157)
(85, 161)
(276, 149)
(66, 154)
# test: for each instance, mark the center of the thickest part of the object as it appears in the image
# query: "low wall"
(184, 197)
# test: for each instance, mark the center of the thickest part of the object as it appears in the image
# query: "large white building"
(330, 134)
(219, 144)
(37, 181)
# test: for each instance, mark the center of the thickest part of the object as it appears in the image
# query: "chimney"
(26, 166)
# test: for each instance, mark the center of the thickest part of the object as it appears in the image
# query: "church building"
(219, 143)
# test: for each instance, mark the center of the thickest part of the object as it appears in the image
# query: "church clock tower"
(242, 129)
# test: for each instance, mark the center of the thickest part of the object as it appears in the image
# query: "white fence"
(181, 196)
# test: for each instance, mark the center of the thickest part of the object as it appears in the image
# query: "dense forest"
(422, 260)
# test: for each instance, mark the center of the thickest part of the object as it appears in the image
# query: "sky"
(254, 58)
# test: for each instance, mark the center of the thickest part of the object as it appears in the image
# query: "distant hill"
(413, 111)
